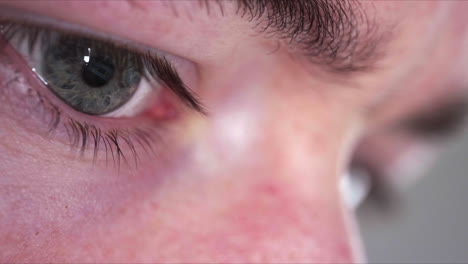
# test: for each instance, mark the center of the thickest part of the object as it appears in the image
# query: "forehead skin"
(266, 194)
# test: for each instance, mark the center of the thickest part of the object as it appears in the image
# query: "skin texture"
(256, 180)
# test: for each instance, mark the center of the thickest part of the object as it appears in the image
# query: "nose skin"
(268, 165)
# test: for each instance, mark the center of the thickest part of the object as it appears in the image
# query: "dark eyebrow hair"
(335, 33)
(338, 34)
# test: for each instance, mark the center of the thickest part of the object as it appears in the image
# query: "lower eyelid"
(24, 99)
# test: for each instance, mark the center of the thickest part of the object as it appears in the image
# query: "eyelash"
(84, 136)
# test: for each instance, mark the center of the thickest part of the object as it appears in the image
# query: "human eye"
(107, 100)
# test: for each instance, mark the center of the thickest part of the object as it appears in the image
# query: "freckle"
(66, 206)
(37, 233)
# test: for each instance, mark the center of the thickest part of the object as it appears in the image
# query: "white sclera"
(138, 102)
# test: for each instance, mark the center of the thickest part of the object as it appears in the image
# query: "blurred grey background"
(430, 224)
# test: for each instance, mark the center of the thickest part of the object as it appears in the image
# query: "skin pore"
(256, 178)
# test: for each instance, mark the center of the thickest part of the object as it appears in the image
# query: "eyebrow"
(334, 33)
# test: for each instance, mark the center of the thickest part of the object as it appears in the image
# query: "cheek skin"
(74, 215)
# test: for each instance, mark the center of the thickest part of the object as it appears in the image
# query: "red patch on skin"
(164, 108)
(154, 206)
(269, 189)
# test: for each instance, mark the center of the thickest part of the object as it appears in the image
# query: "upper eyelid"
(153, 32)
(50, 23)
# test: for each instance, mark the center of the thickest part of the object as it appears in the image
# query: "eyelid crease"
(156, 66)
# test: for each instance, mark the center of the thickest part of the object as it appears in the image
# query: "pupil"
(98, 72)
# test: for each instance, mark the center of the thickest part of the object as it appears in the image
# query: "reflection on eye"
(92, 76)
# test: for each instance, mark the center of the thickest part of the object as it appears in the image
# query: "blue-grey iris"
(92, 77)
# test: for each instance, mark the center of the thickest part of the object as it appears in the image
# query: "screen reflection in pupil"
(98, 72)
